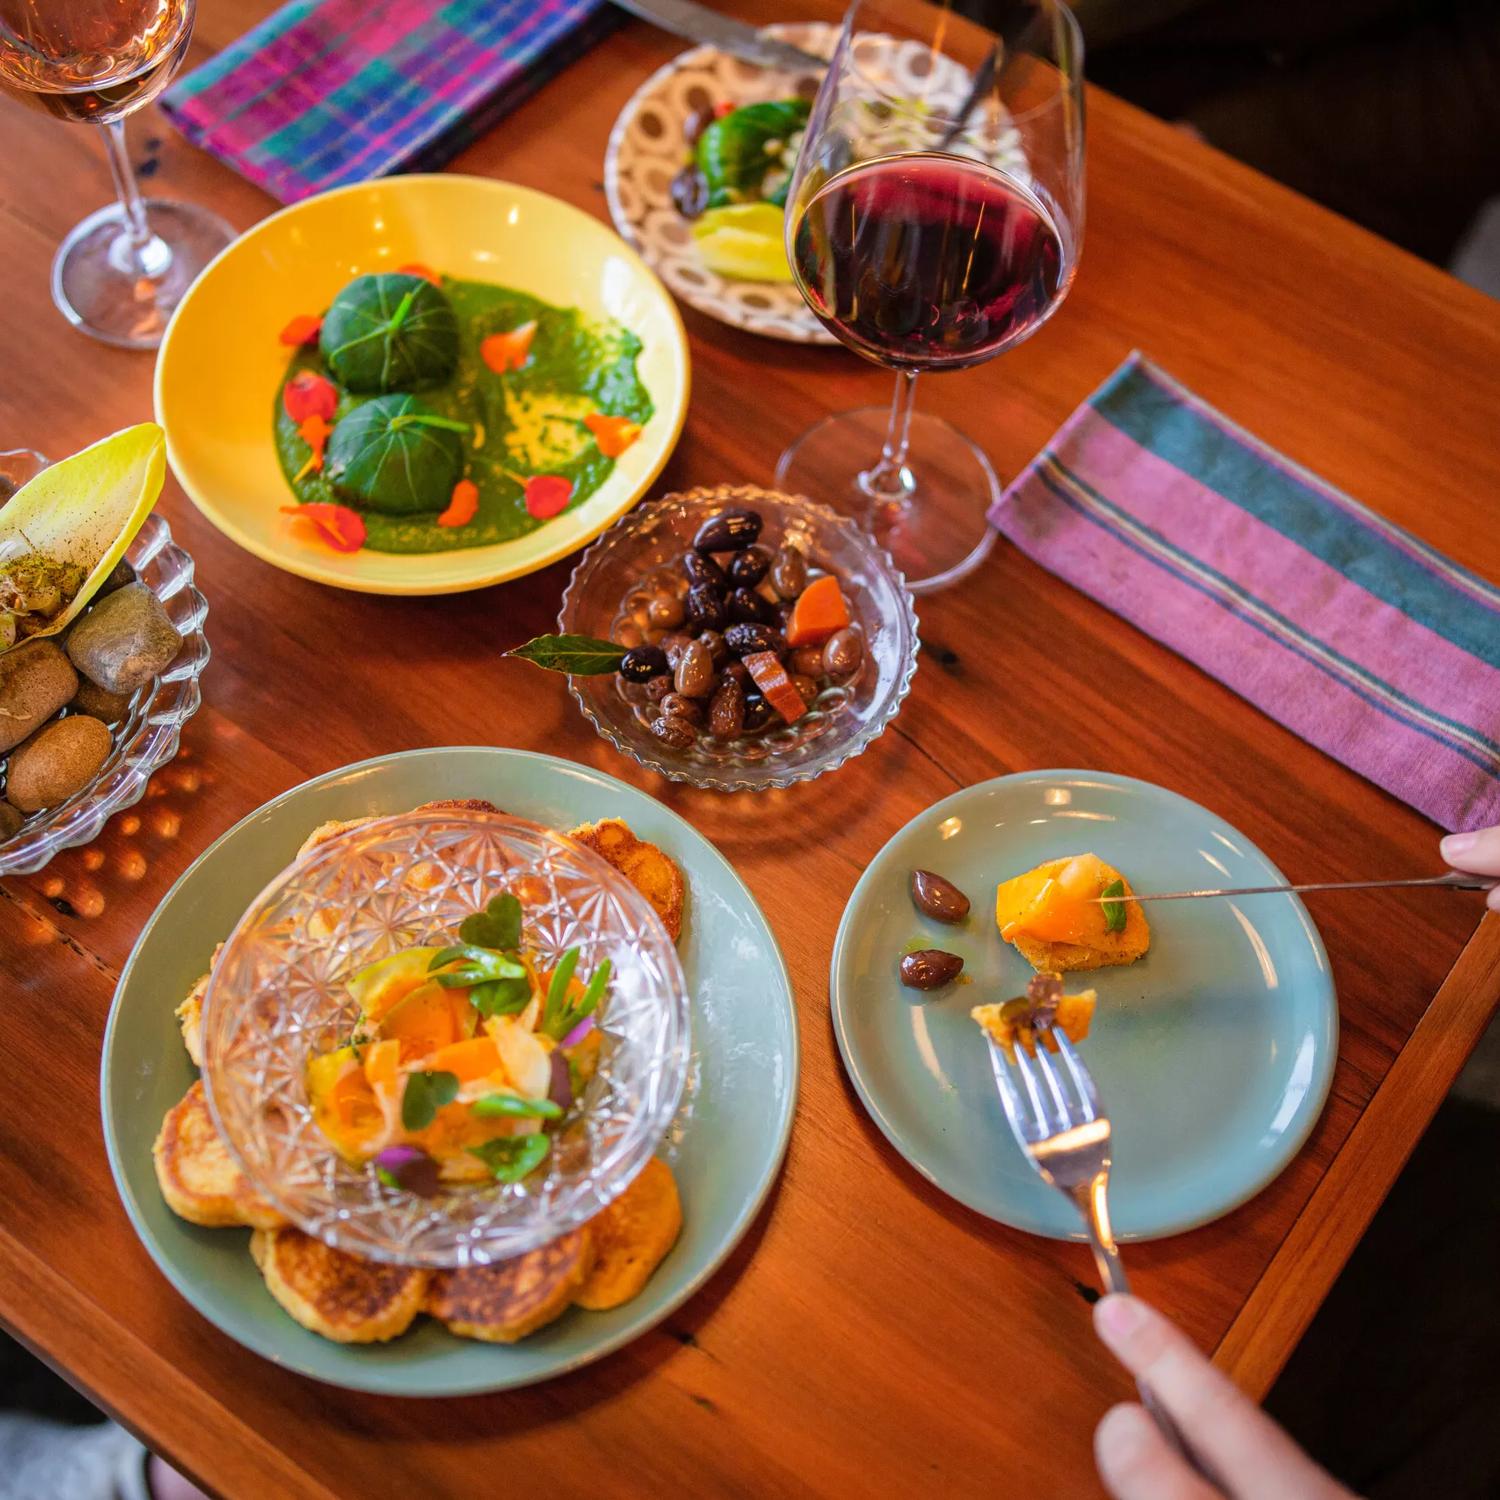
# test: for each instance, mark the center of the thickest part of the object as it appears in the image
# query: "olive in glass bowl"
(721, 733)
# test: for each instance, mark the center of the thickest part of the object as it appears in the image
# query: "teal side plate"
(1213, 1053)
(725, 1148)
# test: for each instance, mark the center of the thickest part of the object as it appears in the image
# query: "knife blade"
(1455, 880)
(697, 23)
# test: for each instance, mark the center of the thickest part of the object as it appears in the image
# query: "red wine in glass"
(928, 261)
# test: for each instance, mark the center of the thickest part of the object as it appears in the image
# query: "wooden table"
(869, 1335)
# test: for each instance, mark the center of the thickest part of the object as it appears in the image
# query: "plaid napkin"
(1338, 624)
(325, 92)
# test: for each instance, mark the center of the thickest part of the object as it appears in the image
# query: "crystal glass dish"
(279, 995)
(843, 720)
(147, 738)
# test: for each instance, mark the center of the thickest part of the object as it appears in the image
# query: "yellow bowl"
(221, 362)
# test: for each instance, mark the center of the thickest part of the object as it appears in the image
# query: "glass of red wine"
(934, 220)
(120, 273)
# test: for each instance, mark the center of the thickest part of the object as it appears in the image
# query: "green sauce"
(527, 421)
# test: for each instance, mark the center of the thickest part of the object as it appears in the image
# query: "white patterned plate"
(647, 149)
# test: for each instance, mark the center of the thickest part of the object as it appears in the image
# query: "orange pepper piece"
(416, 268)
(463, 504)
(303, 329)
(613, 434)
(818, 613)
(508, 351)
(767, 673)
(477, 1057)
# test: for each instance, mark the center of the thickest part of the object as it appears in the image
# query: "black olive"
(938, 898)
(748, 637)
(758, 713)
(700, 569)
(728, 531)
(745, 606)
(930, 969)
(747, 568)
(705, 608)
(689, 191)
(643, 663)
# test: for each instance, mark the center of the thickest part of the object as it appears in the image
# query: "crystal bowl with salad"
(445, 1038)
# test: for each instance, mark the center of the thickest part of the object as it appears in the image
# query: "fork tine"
(1027, 1128)
(1065, 1107)
(1055, 1120)
(1083, 1080)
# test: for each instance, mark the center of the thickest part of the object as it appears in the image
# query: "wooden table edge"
(1322, 1238)
(48, 1316)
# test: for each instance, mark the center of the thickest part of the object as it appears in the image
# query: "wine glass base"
(938, 532)
(109, 291)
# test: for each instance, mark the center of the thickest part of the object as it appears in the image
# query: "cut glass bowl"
(147, 738)
(843, 720)
(278, 995)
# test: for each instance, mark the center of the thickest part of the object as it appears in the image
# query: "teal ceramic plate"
(728, 1144)
(1213, 1053)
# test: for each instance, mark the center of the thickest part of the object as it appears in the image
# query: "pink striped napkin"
(1350, 631)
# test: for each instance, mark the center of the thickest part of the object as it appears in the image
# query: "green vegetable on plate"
(390, 332)
(396, 456)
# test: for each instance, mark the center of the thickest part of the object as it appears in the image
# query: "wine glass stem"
(137, 252)
(890, 482)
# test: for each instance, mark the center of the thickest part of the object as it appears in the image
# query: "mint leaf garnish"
(512, 1157)
(426, 1093)
(1114, 909)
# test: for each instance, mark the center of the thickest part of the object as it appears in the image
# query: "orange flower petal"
(508, 351)
(343, 529)
(416, 268)
(463, 506)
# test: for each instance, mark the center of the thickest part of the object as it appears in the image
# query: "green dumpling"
(396, 455)
(389, 332)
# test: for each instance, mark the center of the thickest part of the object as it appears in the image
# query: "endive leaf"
(86, 509)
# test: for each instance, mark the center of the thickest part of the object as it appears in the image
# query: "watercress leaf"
(581, 655)
(513, 1157)
(1114, 909)
(497, 927)
(512, 1106)
(425, 1094)
(501, 997)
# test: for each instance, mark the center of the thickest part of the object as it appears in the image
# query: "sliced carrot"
(475, 1058)
(767, 673)
(416, 268)
(818, 613)
(507, 351)
(463, 505)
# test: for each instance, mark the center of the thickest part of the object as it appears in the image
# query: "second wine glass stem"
(890, 481)
(138, 251)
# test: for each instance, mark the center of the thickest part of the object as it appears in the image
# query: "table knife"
(1455, 880)
(698, 23)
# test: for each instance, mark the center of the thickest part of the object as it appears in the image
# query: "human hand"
(1477, 852)
(1249, 1453)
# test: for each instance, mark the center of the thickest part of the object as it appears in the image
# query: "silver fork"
(1065, 1135)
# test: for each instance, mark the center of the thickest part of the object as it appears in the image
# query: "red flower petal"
(547, 495)
(343, 529)
(308, 394)
(303, 329)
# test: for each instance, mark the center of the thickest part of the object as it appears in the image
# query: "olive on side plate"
(930, 969)
(938, 898)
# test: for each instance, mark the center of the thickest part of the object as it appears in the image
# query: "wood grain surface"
(869, 1337)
